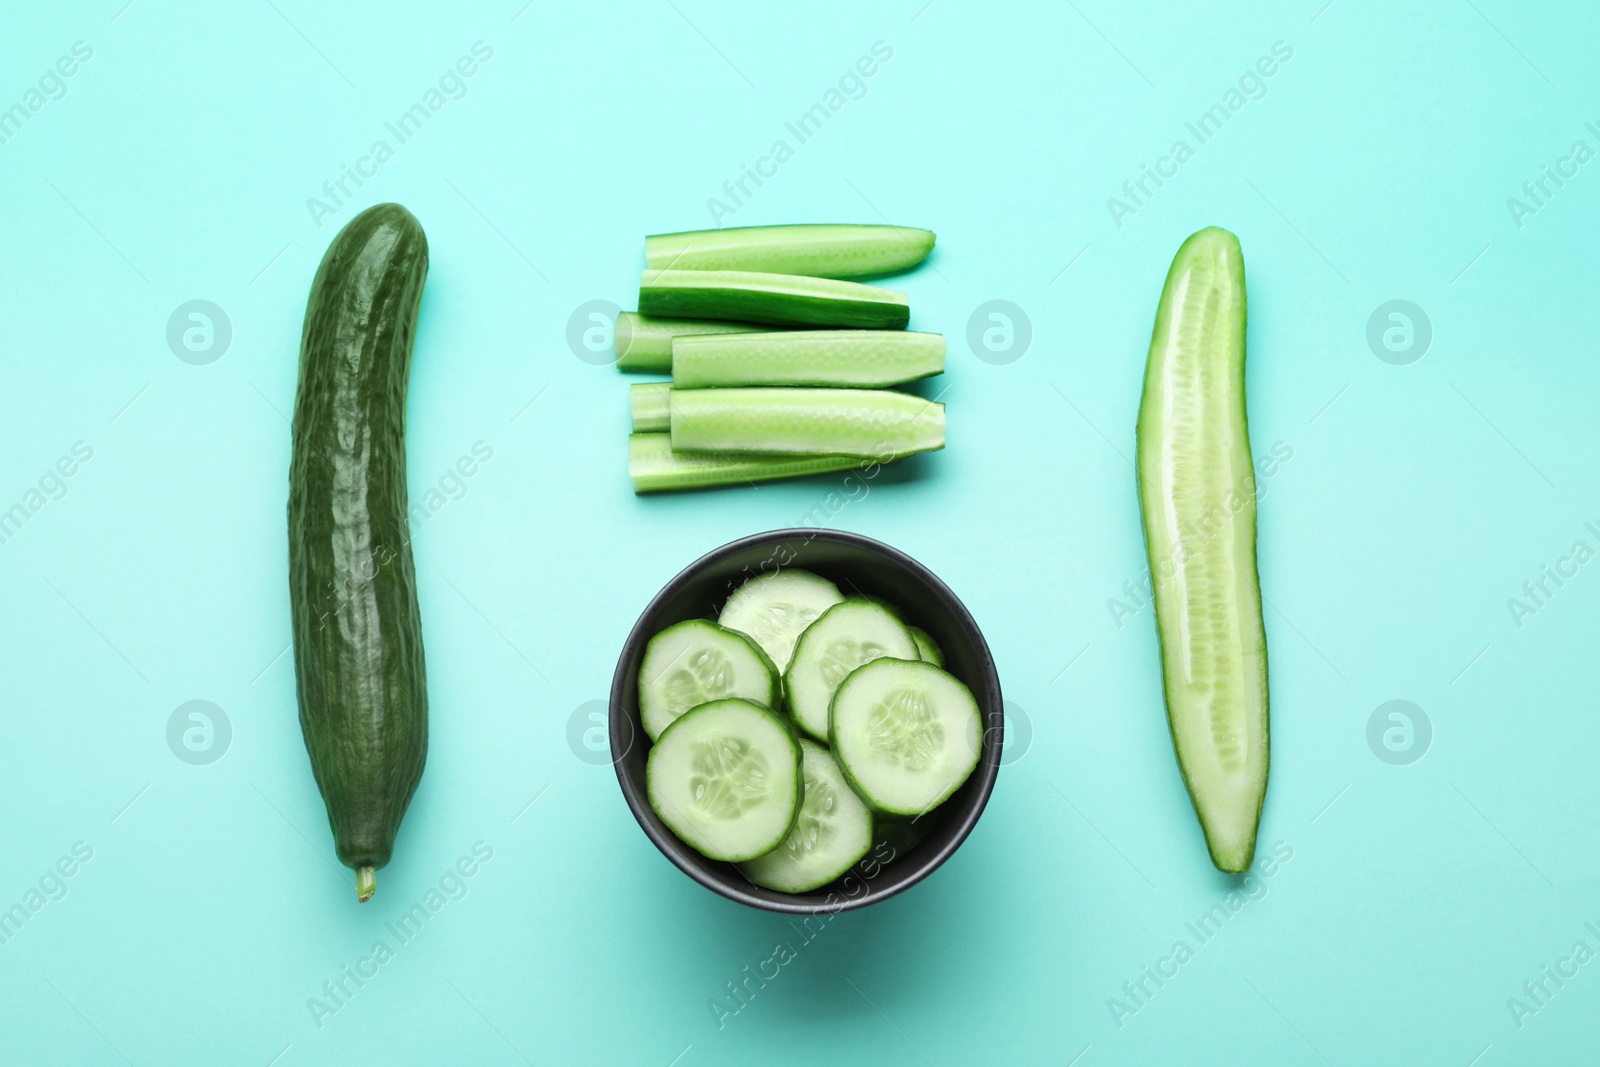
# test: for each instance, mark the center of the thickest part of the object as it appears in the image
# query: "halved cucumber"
(843, 638)
(654, 467)
(906, 734)
(644, 344)
(927, 649)
(697, 661)
(821, 250)
(879, 423)
(774, 609)
(725, 777)
(833, 830)
(1197, 491)
(806, 357)
(647, 403)
(774, 299)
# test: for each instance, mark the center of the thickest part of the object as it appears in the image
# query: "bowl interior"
(860, 566)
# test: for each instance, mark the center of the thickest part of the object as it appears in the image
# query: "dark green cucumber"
(773, 299)
(1197, 490)
(352, 592)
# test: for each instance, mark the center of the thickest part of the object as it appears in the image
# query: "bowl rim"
(625, 731)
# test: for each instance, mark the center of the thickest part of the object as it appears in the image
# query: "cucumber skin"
(779, 420)
(1147, 442)
(825, 250)
(361, 679)
(746, 296)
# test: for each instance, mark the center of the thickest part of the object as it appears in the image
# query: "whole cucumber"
(352, 592)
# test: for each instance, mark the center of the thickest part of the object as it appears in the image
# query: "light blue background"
(1418, 499)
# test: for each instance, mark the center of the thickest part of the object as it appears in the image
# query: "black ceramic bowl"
(859, 566)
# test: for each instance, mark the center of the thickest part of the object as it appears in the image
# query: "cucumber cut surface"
(698, 661)
(725, 777)
(862, 358)
(647, 403)
(928, 650)
(774, 609)
(843, 638)
(772, 299)
(644, 343)
(906, 734)
(1197, 492)
(821, 250)
(654, 467)
(874, 423)
(833, 830)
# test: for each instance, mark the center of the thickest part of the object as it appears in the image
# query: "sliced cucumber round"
(833, 831)
(698, 661)
(928, 650)
(906, 734)
(725, 777)
(775, 609)
(844, 637)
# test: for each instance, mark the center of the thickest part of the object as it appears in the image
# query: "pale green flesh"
(877, 423)
(906, 734)
(653, 467)
(771, 299)
(864, 358)
(644, 343)
(647, 403)
(695, 662)
(1197, 489)
(725, 777)
(774, 609)
(927, 649)
(843, 638)
(820, 250)
(833, 830)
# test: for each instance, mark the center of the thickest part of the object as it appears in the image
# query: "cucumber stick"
(823, 251)
(653, 467)
(644, 344)
(876, 423)
(773, 299)
(647, 404)
(865, 358)
(1197, 491)
(352, 593)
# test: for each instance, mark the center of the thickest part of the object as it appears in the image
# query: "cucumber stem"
(366, 883)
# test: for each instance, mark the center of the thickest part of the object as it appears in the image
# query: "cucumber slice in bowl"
(833, 830)
(927, 648)
(725, 777)
(774, 609)
(698, 661)
(906, 734)
(843, 638)
(1197, 492)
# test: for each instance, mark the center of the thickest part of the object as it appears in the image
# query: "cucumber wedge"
(647, 403)
(1197, 491)
(774, 299)
(843, 638)
(775, 609)
(698, 661)
(653, 467)
(865, 358)
(823, 251)
(878, 423)
(725, 777)
(833, 831)
(644, 344)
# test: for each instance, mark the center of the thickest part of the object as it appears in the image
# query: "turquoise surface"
(1421, 888)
